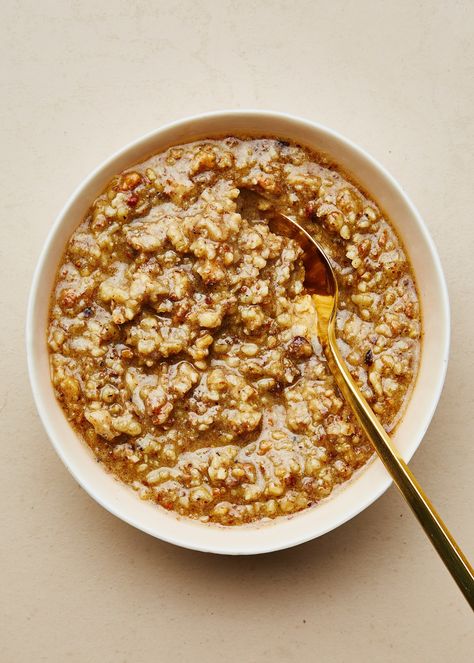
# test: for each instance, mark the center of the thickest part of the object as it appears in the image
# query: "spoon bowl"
(368, 484)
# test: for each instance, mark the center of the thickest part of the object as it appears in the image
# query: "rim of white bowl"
(185, 540)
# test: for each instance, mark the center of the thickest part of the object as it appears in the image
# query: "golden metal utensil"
(321, 284)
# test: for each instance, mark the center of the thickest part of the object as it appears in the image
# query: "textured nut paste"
(182, 342)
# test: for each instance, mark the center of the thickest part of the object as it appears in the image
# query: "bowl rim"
(42, 262)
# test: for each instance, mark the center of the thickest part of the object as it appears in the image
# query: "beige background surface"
(80, 80)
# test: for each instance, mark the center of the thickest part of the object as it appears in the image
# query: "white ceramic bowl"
(370, 482)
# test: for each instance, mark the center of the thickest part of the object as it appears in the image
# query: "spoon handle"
(437, 532)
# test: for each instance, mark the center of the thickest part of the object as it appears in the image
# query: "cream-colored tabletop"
(82, 78)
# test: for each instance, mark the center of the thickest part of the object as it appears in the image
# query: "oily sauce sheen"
(182, 342)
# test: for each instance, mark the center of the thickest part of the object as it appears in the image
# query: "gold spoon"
(320, 282)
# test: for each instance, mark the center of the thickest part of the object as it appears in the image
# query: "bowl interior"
(371, 481)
